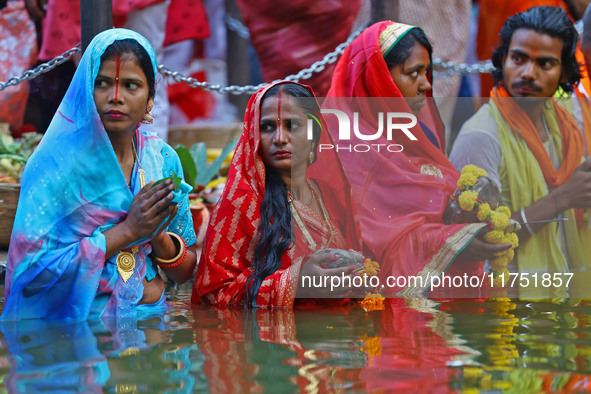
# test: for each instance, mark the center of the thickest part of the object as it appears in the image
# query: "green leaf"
(199, 155)
(188, 164)
(215, 166)
(176, 181)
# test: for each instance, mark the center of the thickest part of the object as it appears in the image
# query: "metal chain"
(249, 89)
(462, 68)
(42, 68)
(439, 65)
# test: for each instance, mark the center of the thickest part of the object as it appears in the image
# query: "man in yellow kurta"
(531, 147)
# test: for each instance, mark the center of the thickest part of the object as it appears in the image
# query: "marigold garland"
(372, 301)
(498, 221)
(370, 267)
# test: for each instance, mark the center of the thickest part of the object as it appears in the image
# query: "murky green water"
(457, 345)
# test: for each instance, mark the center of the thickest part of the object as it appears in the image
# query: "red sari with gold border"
(228, 252)
(400, 197)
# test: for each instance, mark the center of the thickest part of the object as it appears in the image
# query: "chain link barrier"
(440, 66)
(306, 73)
(462, 68)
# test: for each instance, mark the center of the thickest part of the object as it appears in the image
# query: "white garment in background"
(150, 22)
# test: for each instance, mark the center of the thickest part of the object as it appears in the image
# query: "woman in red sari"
(401, 196)
(283, 201)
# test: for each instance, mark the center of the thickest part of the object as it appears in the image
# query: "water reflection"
(406, 346)
(122, 356)
(411, 345)
(56, 357)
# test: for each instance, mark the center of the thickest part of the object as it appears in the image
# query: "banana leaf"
(189, 169)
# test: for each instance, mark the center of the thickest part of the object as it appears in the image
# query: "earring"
(148, 118)
(311, 160)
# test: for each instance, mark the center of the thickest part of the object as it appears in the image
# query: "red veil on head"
(400, 196)
(228, 252)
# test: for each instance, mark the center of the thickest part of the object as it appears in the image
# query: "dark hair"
(141, 58)
(551, 21)
(401, 51)
(275, 229)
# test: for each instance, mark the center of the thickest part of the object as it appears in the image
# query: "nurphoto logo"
(394, 122)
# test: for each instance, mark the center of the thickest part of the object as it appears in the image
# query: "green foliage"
(14, 155)
(194, 162)
(175, 180)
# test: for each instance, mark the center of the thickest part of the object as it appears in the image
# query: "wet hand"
(331, 279)
(478, 250)
(149, 208)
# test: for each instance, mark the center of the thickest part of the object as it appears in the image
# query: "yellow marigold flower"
(494, 237)
(499, 264)
(499, 220)
(372, 302)
(371, 268)
(467, 179)
(505, 272)
(510, 254)
(471, 168)
(467, 200)
(513, 239)
(504, 210)
(483, 212)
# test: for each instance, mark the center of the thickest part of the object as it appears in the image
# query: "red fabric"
(19, 52)
(401, 197)
(186, 20)
(61, 26)
(290, 36)
(195, 103)
(226, 261)
(416, 346)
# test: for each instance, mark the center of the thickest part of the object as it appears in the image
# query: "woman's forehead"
(283, 103)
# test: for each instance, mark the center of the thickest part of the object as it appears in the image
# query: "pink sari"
(400, 196)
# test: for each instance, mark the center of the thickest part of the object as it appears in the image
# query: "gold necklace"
(126, 260)
(302, 225)
(141, 170)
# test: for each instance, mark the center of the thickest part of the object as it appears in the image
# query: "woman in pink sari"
(402, 192)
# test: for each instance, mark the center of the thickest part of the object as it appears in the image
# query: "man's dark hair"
(551, 21)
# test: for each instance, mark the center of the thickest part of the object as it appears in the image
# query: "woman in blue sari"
(91, 226)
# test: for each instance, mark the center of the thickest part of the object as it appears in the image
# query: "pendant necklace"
(126, 260)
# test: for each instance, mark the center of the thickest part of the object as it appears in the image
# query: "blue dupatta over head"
(72, 190)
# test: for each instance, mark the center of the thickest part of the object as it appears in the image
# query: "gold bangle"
(182, 247)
